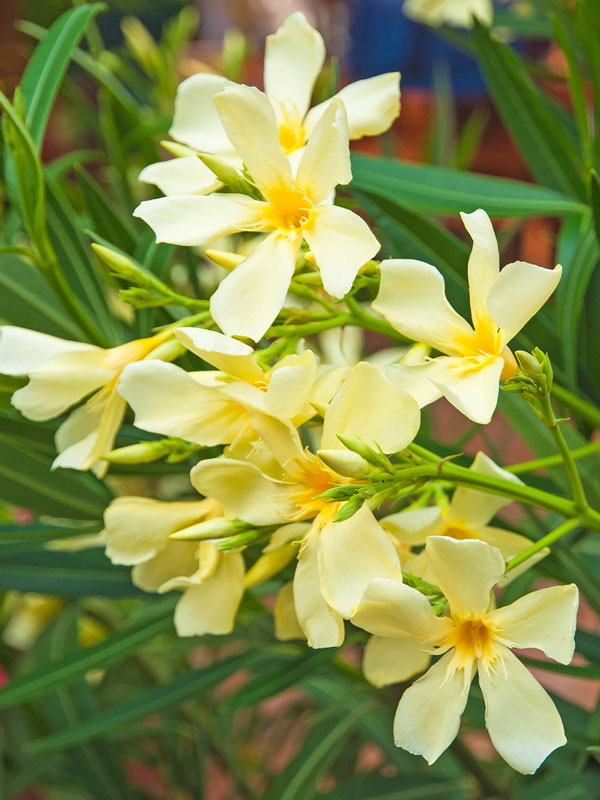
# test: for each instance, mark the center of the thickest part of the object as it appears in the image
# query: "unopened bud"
(224, 259)
(229, 175)
(417, 354)
(141, 453)
(167, 351)
(270, 564)
(215, 528)
(349, 508)
(120, 264)
(371, 456)
(345, 463)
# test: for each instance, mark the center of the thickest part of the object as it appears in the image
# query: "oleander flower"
(62, 373)
(137, 531)
(412, 298)
(295, 208)
(458, 13)
(522, 720)
(336, 560)
(467, 516)
(294, 56)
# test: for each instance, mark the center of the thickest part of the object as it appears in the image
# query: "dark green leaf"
(402, 787)
(42, 533)
(107, 220)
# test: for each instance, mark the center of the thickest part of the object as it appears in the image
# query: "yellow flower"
(61, 373)
(296, 208)
(522, 720)
(459, 13)
(411, 297)
(294, 57)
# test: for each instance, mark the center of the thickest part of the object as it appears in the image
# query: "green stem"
(307, 328)
(585, 451)
(577, 404)
(545, 541)
(362, 319)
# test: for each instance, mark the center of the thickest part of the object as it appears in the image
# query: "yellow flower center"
(473, 639)
(308, 477)
(486, 340)
(289, 208)
(457, 531)
(291, 130)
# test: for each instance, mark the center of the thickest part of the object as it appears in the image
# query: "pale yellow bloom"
(467, 516)
(412, 298)
(62, 373)
(294, 56)
(296, 208)
(28, 615)
(522, 720)
(137, 531)
(458, 13)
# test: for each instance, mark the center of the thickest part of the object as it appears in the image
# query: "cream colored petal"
(466, 571)
(412, 298)
(416, 379)
(352, 554)
(322, 626)
(243, 491)
(342, 346)
(249, 120)
(212, 606)
(292, 532)
(388, 661)
(196, 121)
(368, 406)
(222, 352)
(509, 543)
(471, 388)
(290, 385)
(522, 720)
(326, 159)
(284, 615)
(532, 285)
(191, 219)
(414, 525)
(249, 299)
(459, 13)
(328, 381)
(372, 105)
(484, 261)
(394, 610)
(23, 350)
(186, 175)
(280, 436)
(428, 715)
(176, 559)
(341, 243)
(167, 400)
(137, 528)
(294, 56)
(475, 508)
(545, 619)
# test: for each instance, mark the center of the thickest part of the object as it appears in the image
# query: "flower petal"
(416, 379)
(322, 626)
(484, 262)
(291, 384)
(466, 571)
(176, 559)
(522, 720)
(341, 243)
(392, 609)
(368, 406)
(191, 219)
(294, 56)
(414, 525)
(249, 298)
(428, 715)
(166, 399)
(352, 554)
(284, 615)
(187, 175)
(545, 619)
(222, 352)
(388, 661)
(476, 508)
(196, 121)
(412, 298)
(459, 13)
(248, 118)
(137, 528)
(326, 159)
(243, 491)
(372, 105)
(471, 388)
(23, 350)
(212, 606)
(532, 285)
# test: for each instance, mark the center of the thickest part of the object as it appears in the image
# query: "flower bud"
(345, 463)
(224, 259)
(371, 456)
(270, 564)
(229, 175)
(528, 364)
(141, 453)
(215, 528)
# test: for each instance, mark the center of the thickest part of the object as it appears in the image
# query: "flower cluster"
(303, 433)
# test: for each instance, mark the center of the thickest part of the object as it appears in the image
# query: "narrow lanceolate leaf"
(107, 220)
(76, 664)
(156, 700)
(47, 66)
(548, 151)
(442, 190)
(401, 787)
(21, 534)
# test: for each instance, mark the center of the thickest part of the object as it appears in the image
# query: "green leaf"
(48, 64)
(80, 574)
(26, 480)
(549, 153)
(108, 221)
(555, 789)
(76, 663)
(151, 702)
(37, 533)
(440, 190)
(402, 787)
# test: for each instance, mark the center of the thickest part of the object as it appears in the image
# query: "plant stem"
(362, 318)
(545, 541)
(585, 451)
